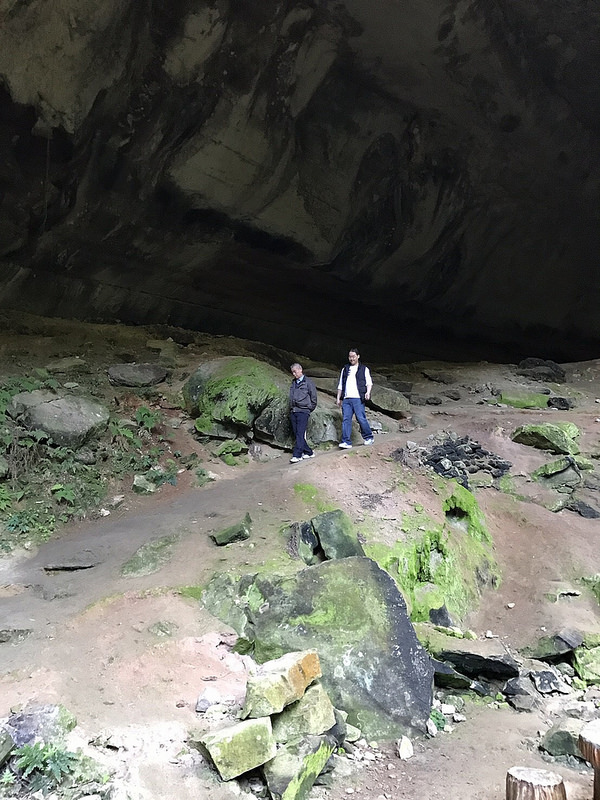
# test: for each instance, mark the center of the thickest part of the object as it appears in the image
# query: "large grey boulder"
(352, 613)
(389, 401)
(68, 421)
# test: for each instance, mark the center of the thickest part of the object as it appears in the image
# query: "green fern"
(48, 764)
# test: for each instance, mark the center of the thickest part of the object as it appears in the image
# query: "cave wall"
(421, 178)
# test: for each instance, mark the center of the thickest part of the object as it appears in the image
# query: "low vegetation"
(45, 485)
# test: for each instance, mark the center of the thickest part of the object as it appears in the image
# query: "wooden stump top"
(527, 783)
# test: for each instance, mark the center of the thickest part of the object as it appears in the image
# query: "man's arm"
(312, 393)
(339, 390)
(369, 381)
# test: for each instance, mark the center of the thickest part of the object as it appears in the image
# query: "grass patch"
(311, 496)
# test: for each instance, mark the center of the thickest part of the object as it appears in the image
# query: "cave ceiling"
(417, 177)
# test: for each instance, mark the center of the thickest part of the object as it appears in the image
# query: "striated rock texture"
(433, 166)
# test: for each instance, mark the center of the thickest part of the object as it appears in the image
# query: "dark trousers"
(299, 423)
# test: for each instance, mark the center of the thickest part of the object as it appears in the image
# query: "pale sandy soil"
(93, 647)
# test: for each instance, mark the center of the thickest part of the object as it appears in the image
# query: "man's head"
(353, 356)
(296, 370)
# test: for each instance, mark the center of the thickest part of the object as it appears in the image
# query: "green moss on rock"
(436, 565)
(559, 437)
(231, 392)
(524, 399)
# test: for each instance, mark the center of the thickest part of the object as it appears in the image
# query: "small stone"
(510, 605)
(142, 485)
(404, 748)
(431, 728)
(459, 718)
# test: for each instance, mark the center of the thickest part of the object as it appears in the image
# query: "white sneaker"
(306, 455)
(369, 441)
(294, 460)
(345, 446)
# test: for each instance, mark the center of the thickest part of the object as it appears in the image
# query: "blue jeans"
(299, 424)
(353, 406)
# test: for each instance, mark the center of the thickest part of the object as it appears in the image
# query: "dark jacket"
(303, 395)
(361, 381)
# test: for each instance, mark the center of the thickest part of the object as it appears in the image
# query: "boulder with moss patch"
(231, 392)
(352, 613)
(559, 437)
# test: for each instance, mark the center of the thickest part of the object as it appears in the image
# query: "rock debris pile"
(456, 457)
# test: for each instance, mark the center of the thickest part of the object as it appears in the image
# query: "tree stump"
(524, 783)
(589, 744)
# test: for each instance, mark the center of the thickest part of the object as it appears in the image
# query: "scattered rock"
(291, 774)
(404, 748)
(234, 533)
(279, 682)
(563, 738)
(239, 748)
(136, 374)
(142, 485)
(313, 713)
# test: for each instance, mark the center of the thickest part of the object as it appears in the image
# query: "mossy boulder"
(232, 392)
(559, 437)
(351, 612)
(231, 396)
(562, 472)
(445, 564)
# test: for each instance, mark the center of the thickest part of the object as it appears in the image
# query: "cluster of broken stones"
(551, 677)
(457, 457)
(288, 732)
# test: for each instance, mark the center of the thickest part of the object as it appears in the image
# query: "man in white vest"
(354, 388)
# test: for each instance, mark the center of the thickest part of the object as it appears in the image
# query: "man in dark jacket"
(303, 400)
